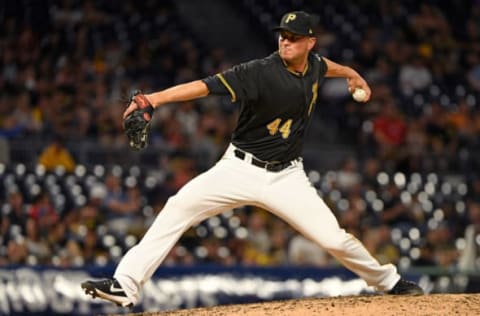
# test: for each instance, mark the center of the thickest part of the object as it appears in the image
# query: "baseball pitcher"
(262, 166)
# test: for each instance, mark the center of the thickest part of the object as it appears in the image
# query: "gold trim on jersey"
(296, 73)
(306, 69)
(314, 96)
(229, 88)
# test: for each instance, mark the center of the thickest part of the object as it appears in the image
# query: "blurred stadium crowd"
(411, 192)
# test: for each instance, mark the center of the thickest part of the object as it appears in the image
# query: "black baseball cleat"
(108, 289)
(404, 287)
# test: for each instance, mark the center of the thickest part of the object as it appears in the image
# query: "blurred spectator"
(57, 240)
(15, 215)
(210, 251)
(379, 243)
(416, 147)
(90, 248)
(183, 170)
(460, 122)
(414, 76)
(35, 242)
(389, 131)
(279, 243)
(17, 252)
(348, 175)
(370, 170)
(426, 257)
(436, 127)
(258, 233)
(445, 253)
(304, 252)
(429, 19)
(474, 192)
(56, 155)
(395, 212)
(25, 116)
(259, 242)
(351, 219)
(4, 151)
(122, 206)
(115, 198)
(10, 125)
(91, 214)
(179, 255)
(473, 74)
(470, 256)
(43, 213)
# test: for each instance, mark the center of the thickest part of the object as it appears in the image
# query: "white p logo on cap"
(290, 17)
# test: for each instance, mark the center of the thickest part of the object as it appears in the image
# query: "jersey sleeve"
(240, 81)
(215, 85)
(323, 66)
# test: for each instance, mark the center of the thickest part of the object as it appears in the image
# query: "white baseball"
(359, 95)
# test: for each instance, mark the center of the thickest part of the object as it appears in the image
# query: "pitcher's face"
(293, 47)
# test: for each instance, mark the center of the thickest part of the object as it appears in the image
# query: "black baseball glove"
(137, 123)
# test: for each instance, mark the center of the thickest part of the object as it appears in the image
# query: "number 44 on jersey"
(275, 127)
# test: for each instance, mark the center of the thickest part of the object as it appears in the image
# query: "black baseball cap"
(297, 22)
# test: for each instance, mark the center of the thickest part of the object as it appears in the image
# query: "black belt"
(274, 166)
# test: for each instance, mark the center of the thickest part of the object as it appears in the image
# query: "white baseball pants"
(231, 183)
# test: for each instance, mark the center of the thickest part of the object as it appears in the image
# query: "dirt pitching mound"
(435, 304)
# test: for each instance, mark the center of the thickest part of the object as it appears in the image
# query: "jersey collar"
(296, 73)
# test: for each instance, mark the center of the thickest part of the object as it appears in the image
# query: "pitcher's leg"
(297, 202)
(141, 261)
(208, 194)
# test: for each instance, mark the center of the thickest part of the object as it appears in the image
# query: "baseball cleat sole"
(91, 290)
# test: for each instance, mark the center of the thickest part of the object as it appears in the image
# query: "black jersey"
(276, 104)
